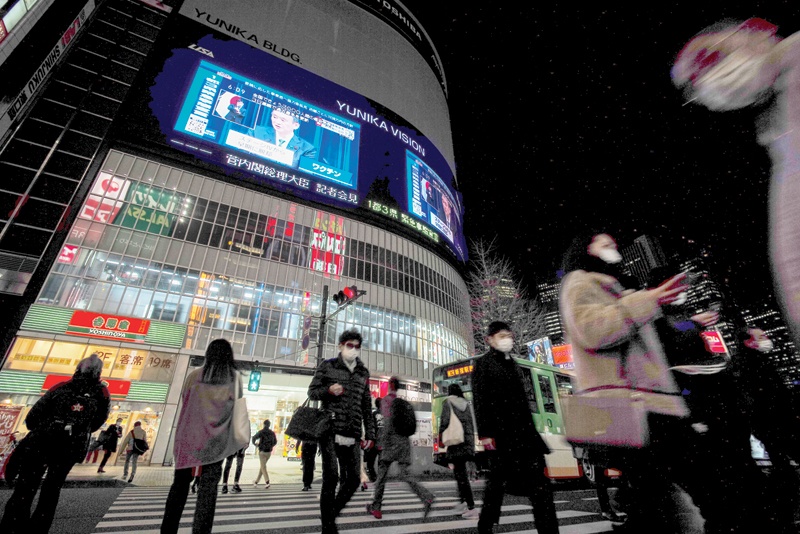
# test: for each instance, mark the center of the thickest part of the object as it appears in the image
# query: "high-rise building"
(785, 355)
(639, 258)
(548, 297)
(183, 171)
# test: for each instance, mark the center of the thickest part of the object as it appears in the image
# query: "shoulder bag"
(140, 446)
(611, 421)
(454, 433)
(309, 424)
(241, 419)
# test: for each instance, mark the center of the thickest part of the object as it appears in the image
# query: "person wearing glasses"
(342, 384)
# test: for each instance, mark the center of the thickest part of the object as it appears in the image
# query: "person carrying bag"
(459, 438)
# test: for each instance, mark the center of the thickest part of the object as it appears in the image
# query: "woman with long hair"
(204, 436)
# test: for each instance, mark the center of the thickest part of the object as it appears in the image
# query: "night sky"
(565, 117)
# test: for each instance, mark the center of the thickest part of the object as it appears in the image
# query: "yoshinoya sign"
(104, 326)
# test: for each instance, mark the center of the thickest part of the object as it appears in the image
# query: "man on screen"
(282, 133)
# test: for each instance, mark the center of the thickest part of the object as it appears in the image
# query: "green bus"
(547, 386)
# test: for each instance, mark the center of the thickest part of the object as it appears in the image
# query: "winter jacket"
(614, 342)
(265, 440)
(393, 446)
(460, 407)
(204, 434)
(502, 401)
(112, 433)
(127, 443)
(353, 408)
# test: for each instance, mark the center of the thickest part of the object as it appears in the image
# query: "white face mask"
(504, 345)
(765, 345)
(681, 300)
(609, 255)
(350, 355)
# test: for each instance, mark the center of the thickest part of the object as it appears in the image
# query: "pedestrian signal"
(255, 381)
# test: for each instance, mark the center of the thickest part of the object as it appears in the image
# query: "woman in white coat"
(204, 436)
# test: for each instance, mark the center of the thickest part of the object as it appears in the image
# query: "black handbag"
(140, 446)
(309, 423)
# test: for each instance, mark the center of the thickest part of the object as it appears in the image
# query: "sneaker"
(236, 489)
(101, 470)
(373, 512)
(255, 483)
(224, 488)
(130, 480)
(460, 508)
(266, 486)
(306, 488)
(471, 514)
(426, 507)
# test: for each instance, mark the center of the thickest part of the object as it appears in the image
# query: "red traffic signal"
(346, 295)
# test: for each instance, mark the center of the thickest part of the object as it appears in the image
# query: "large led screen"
(261, 119)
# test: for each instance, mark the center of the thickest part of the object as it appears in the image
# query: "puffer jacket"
(353, 408)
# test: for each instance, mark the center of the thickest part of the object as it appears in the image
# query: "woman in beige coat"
(618, 354)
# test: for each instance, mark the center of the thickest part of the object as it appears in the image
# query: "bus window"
(564, 385)
(530, 392)
(548, 400)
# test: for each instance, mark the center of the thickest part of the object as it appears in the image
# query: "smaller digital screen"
(458, 371)
(430, 199)
(233, 111)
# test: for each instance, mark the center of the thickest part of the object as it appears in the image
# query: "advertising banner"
(117, 388)
(230, 106)
(8, 420)
(104, 326)
(541, 351)
(714, 342)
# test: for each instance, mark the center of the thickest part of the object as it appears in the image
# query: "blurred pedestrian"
(618, 354)
(716, 464)
(308, 453)
(455, 405)
(501, 396)
(395, 447)
(342, 384)
(111, 437)
(204, 436)
(769, 411)
(132, 451)
(734, 65)
(371, 455)
(59, 425)
(239, 457)
(94, 448)
(265, 440)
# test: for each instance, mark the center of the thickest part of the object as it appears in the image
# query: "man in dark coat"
(110, 441)
(308, 453)
(60, 424)
(342, 384)
(502, 397)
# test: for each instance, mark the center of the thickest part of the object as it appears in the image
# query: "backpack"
(72, 410)
(404, 420)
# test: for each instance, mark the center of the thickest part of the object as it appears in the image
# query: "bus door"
(551, 422)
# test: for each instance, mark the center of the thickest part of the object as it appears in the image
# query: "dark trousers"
(227, 471)
(337, 459)
(541, 498)
(462, 481)
(206, 499)
(421, 491)
(106, 456)
(309, 457)
(17, 516)
(371, 459)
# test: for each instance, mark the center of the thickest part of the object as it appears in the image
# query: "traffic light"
(343, 297)
(255, 381)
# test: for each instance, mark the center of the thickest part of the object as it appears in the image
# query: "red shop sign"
(117, 388)
(104, 326)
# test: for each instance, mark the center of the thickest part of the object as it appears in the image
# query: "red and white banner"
(714, 342)
(105, 199)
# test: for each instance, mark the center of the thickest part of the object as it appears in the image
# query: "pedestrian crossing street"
(284, 509)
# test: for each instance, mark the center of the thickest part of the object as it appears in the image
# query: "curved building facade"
(258, 157)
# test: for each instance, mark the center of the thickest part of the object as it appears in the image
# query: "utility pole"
(322, 324)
